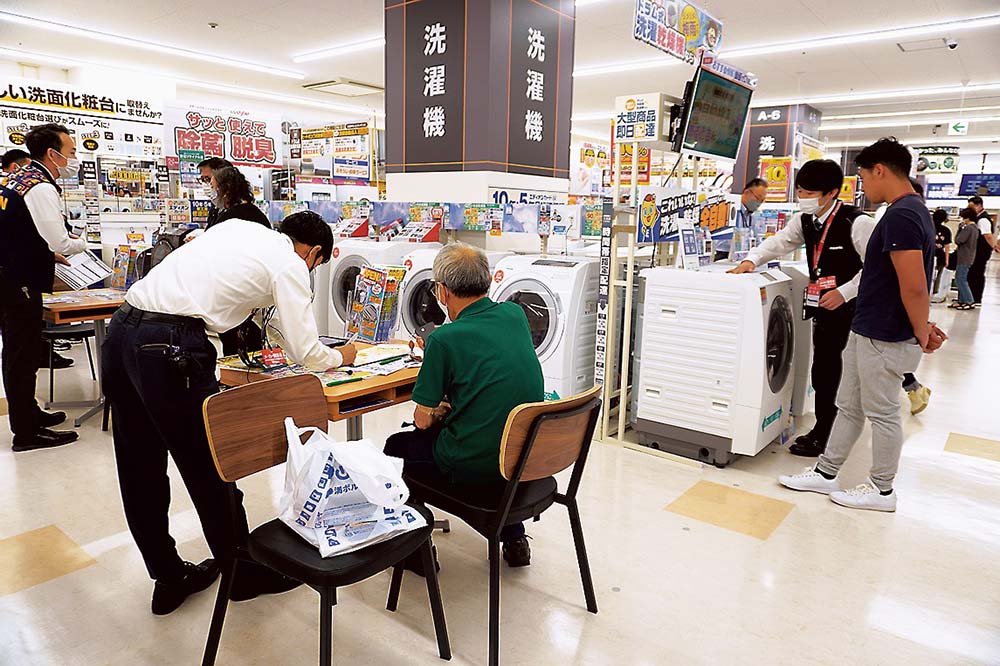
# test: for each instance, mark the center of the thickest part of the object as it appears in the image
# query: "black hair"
(917, 187)
(968, 214)
(310, 229)
(12, 156)
(42, 137)
(755, 182)
(888, 152)
(978, 201)
(215, 163)
(820, 176)
(940, 216)
(233, 187)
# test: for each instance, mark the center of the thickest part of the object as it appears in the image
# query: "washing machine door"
(419, 306)
(780, 343)
(542, 308)
(342, 282)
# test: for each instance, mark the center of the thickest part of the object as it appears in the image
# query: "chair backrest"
(245, 425)
(564, 427)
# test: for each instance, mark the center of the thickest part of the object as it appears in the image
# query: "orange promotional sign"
(777, 172)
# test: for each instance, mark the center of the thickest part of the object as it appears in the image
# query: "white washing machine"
(559, 296)
(717, 362)
(803, 395)
(417, 303)
(349, 257)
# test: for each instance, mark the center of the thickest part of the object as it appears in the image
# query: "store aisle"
(692, 565)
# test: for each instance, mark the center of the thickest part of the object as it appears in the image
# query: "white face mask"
(72, 167)
(809, 206)
(214, 197)
(753, 205)
(444, 308)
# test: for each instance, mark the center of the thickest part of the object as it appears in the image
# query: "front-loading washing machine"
(559, 297)
(717, 361)
(803, 395)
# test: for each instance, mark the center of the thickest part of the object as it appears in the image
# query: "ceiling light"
(881, 95)
(894, 114)
(594, 115)
(929, 141)
(334, 51)
(147, 46)
(834, 127)
(629, 66)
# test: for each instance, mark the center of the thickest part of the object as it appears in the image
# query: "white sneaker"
(865, 496)
(811, 481)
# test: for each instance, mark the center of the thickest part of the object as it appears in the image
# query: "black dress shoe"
(169, 594)
(58, 362)
(44, 439)
(50, 419)
(517, 553)
(253, 579)
(807, 446)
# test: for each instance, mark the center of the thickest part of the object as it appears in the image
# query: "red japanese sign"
(244, 138)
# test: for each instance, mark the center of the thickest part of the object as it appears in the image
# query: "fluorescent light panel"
(881, 95)
(342, 49)
(929, 141)
(17, 19)
(834, 127)
(895, 114)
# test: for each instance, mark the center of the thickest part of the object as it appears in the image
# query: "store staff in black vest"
(984, 250)
(836, 236)
(33, 237)
(206, 169)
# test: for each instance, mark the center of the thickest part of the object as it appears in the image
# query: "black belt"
(135, 316)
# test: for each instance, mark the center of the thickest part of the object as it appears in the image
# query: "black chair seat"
(277, 546)
(68, 332)
(478, 505)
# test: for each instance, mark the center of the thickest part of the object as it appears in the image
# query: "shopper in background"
(476, 370)
(33, 237)
(835, 235)
(754, 194)
(942, 256)
(234, 197)
(206, 168)
(918, 394)
(159, 366)
(13, 160)
(987, 245)
(889, 334)
(967, 241)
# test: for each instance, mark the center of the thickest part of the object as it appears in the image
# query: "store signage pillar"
(771, 132)
(479, 86)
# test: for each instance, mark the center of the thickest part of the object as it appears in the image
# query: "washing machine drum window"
(343, 285)
(423, 307)
(780, 344)
(540, 306)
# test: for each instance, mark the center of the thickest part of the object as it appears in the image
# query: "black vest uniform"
(831, 328)
(25, 258)
(977, 274)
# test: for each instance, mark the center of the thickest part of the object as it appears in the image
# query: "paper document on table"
(84, 270)
(384, 368)
(380, 353)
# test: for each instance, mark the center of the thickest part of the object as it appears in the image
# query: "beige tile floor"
(692, 565)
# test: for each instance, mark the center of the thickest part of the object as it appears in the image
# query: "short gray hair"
(463, 269)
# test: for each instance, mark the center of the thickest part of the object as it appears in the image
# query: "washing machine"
(417, 303)
(349, 257)
(717, 362)
(559, 296)
(803, 395)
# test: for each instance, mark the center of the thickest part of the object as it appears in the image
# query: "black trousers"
(156, 405)
(977, 274)
(831, 328)
(416, 448)
(21, 329)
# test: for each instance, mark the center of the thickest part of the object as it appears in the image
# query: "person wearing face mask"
(476, 369)
(159, 366)
(754, 193)
(33, 237)
(206, 168)
(234, 198)
(836, 236)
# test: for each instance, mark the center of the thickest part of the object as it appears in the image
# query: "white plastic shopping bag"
(342, 496)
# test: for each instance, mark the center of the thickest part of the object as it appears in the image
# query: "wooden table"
(96, 305)
(348, 402)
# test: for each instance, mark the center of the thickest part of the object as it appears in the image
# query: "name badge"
(816, 289)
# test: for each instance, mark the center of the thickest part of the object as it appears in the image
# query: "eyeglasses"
(206, 179)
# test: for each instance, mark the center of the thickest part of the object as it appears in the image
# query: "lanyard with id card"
(814, 291)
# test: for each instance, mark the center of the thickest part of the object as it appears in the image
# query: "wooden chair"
(540, 440)
(246, 434)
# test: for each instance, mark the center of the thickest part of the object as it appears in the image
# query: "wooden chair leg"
(90, 359)
(219, 614)
(581, 554)
(327, 600)
(494, 641)
(394, 585)
(434, 594)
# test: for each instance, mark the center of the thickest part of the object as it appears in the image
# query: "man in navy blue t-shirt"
(889, 334)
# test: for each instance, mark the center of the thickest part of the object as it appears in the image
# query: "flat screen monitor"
(716, 115)
(980, 184)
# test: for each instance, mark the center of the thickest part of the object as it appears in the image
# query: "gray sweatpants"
(869, 388)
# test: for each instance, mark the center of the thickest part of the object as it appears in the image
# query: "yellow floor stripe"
(732, 509)
(973, 446)
(38, 556)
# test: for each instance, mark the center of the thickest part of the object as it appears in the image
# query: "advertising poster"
(777, 172)
(977, 184)
(389, 218)
(566, 220)
(676, 28)
(717, 214)
(476, 217)
(341, 151)
(245, 138)
(430, 212)
(807, 149)
(644, 165)
(660, 211)
(604, 292)
(937, 159)
(637, 117)
(521, 218)
(849, 190)
(328, 210)
(178, 211)
(592, 216)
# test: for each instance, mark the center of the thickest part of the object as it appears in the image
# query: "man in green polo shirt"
(476, 370)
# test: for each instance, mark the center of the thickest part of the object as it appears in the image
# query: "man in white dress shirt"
(159, 366)
(836, 236)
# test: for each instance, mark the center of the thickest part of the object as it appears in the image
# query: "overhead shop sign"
(679, 29)
(341, 151)
(101, 122)
(937, 159)
(245, 138)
